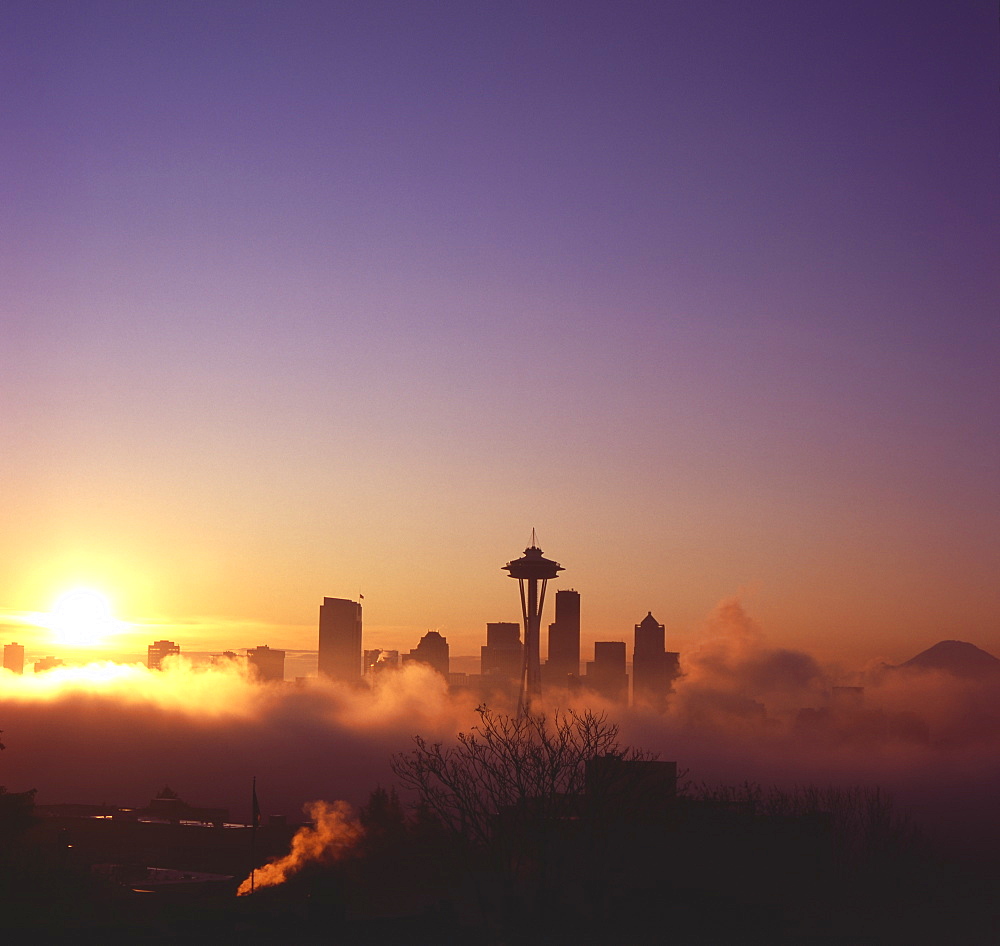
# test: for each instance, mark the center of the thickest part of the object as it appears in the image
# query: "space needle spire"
(532, 572)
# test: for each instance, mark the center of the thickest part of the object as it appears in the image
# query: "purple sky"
(301, 299)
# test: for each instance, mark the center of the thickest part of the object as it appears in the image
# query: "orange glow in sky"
(327, 320)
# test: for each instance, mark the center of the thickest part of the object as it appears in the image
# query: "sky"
(310, 299)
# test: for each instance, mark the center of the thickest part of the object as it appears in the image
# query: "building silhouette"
(157, 651)
(169, 806)
(227, 658)
(47, 663)
(606, 673)
(563, 665)
(13, 657)
(340, 656)
(532, 572)
(266, 665)
(432, 650)
(502, 657)
(654, 669)
(378, 661)
(633, 786)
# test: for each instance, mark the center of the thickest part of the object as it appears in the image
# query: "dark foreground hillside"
(727, 866)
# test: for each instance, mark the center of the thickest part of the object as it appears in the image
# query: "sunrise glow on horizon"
(710, 301)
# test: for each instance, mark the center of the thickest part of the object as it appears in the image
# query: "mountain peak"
(956, 657)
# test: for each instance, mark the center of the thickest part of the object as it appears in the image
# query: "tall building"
(564, 639)
(432, 650)
(532, 572)
(266, 665)
(606, 673)
(340, 655)
(502, 658)
(378, 660)
(13, 657)
(157, 651)
(47, 663)
(653, 668)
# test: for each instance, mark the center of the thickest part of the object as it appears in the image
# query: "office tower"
(653, 668)
(432, 650)
(378, 660)
(13, 657)
(266, 665)
(649, 637)
(503, 655)
(389, 660)
(340, 655)
(157, 651)
(47, 663)
(531, 570)
(606, 673)
(564, 639)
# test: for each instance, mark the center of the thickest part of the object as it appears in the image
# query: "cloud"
(119, 733)
(731, 672)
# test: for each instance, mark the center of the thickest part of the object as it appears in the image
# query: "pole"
(254, 821)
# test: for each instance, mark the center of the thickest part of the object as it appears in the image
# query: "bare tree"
(505, 763)
(512, 785)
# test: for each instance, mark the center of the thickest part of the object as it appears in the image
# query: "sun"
(81, 617)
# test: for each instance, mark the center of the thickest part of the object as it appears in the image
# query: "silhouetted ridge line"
(955, 657)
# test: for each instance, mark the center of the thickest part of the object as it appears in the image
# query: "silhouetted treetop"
(508, 764)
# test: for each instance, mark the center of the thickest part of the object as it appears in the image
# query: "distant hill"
(957, 658)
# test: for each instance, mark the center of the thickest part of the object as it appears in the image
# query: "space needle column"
(530, 570)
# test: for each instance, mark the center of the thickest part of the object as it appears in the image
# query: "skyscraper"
(157, 651)
(47, 663)
(502, 658)
(13, 657)
(653, 668)
(432, 650)
(340, 655)
(606, 673)
(379, 660)
(267, 666)
(564, 639)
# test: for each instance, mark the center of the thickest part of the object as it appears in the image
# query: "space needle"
(530, 570)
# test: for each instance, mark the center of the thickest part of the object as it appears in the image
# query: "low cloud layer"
(743, 710)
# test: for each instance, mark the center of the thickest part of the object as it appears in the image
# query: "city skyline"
(340, 647)
(37, 629)
(318, 301)
(314, 315)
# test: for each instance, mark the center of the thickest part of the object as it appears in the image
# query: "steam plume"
(333, 833)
